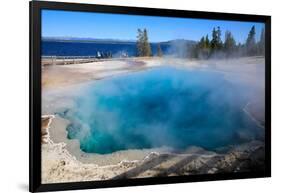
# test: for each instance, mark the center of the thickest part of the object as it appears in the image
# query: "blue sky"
(57, 23)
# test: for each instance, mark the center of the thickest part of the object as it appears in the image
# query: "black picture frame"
(35, 94)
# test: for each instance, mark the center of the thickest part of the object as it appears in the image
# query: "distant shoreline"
(92, 40)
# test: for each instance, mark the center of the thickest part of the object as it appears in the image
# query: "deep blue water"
(160, 107)
(54, 48)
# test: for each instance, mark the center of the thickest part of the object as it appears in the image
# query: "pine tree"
(229, 43)
(216, 42)
(201, 43)
(219, 41)
(262, 43)
(140, 41)
(143, 45)
(146, 44)
(251, 42)
(207, 42)
(202, 48)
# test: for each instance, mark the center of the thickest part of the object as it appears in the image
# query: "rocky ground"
(58, 165)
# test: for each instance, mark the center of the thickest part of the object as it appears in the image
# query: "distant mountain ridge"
(179, 41)
(92, 40)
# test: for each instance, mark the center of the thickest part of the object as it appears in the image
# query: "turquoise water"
(160, 107)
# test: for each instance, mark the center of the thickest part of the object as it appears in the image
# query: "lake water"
(160, 107)
(54, 48)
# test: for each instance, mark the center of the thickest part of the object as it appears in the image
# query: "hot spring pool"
(160, 107)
